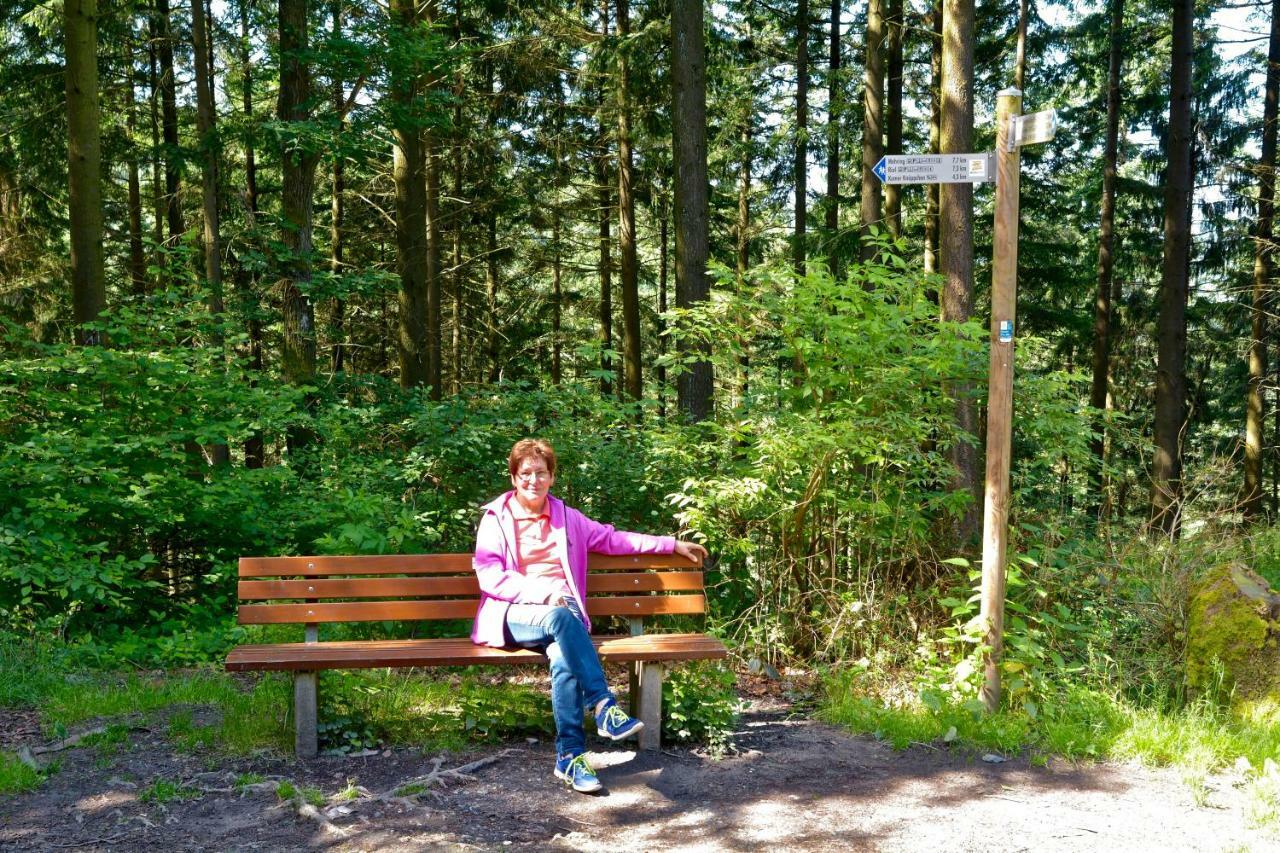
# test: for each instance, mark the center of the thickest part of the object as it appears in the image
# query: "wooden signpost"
(1013, 130)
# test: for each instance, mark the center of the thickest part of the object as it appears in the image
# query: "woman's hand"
(691, 551)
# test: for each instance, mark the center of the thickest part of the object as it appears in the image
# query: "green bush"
(700, 705)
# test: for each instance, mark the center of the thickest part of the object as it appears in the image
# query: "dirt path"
(795, 785)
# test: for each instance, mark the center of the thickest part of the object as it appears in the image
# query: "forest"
(291, 277)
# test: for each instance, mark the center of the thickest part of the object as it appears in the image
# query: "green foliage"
(163, 791)
(1082, 723)
(17, 777)
(700, 705)
(825, 499)
(497, 713)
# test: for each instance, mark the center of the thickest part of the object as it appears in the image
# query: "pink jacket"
(501, 582)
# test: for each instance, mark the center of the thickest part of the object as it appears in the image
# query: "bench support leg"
(304, 714)
(650, 710)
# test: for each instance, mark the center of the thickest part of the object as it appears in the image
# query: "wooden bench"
(314, 590)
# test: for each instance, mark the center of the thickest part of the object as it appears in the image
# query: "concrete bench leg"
(304, 715)
(650, 710)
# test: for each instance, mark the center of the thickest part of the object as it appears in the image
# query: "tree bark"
(694, 387)
(801, 162)
(211, 242)
(169, 126)
(137, 257)
(835, 112)
(893, 115)
(337, 208)
(1263, 295)
(1106, 260)
(459, 210)
(872, 123)
(604, 215)
(431, 145)
(663, 240)
(1020, 56)
(956, 238)
(1171, 380)
(932, 214)
(298, 168)
(409, 171)
(158, 203)
(557, 247)
(255, 444)
(206, 128)
(629, 267)
(84, 166)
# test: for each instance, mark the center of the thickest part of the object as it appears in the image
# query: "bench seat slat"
(427, 564)
(465, 608)
(387, 587)
(459, 652)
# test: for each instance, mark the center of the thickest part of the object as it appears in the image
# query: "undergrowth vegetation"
(824, 500)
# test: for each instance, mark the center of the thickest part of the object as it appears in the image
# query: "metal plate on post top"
(1032, 128)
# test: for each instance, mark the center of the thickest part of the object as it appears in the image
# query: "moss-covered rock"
(1234, 622)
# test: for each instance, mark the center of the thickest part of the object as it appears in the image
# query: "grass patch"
(16, 777)
(166, 791)
(1085, 723)
(430, 712)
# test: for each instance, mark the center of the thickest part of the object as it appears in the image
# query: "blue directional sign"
(937, 168)
(882, 170)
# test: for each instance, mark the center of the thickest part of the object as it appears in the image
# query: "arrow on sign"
(881, 170)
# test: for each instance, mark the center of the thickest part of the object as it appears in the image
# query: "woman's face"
(532, 481)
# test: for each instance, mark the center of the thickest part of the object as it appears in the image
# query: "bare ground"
(793, 784)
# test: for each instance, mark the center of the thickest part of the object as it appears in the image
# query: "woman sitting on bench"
(531, 561)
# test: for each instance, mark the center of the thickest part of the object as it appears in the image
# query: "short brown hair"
(527, 448)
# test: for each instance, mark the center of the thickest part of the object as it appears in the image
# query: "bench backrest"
(311, 590)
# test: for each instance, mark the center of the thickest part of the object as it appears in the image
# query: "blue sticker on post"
(1006, 331)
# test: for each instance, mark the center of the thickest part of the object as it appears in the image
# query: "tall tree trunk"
(872, 123)
(254, 445)
(604, 215)
(932, 212)
(956, 238)
(169, 125)
(835, 112)
(1262, 285)
(411, 209)
(689, 131)
(663, 236)
(627, 216)
(1106, 260)
(137, 257)
(493, 343)
(158, 203)
(298, 171)
(893, 115)
(744, 224)
(557, 247)
(434, 331)
(1171, 380)
(84, 166)
(337, 207)
(1020, 57)
(206, 129)
(801, 162)
(459, 208)
(431, 143)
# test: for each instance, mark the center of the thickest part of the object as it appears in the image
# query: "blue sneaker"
(577, 773)
(614, 723)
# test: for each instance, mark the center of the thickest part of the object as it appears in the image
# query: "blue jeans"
(577, 679)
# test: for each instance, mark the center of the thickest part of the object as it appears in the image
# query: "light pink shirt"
(536, 554)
